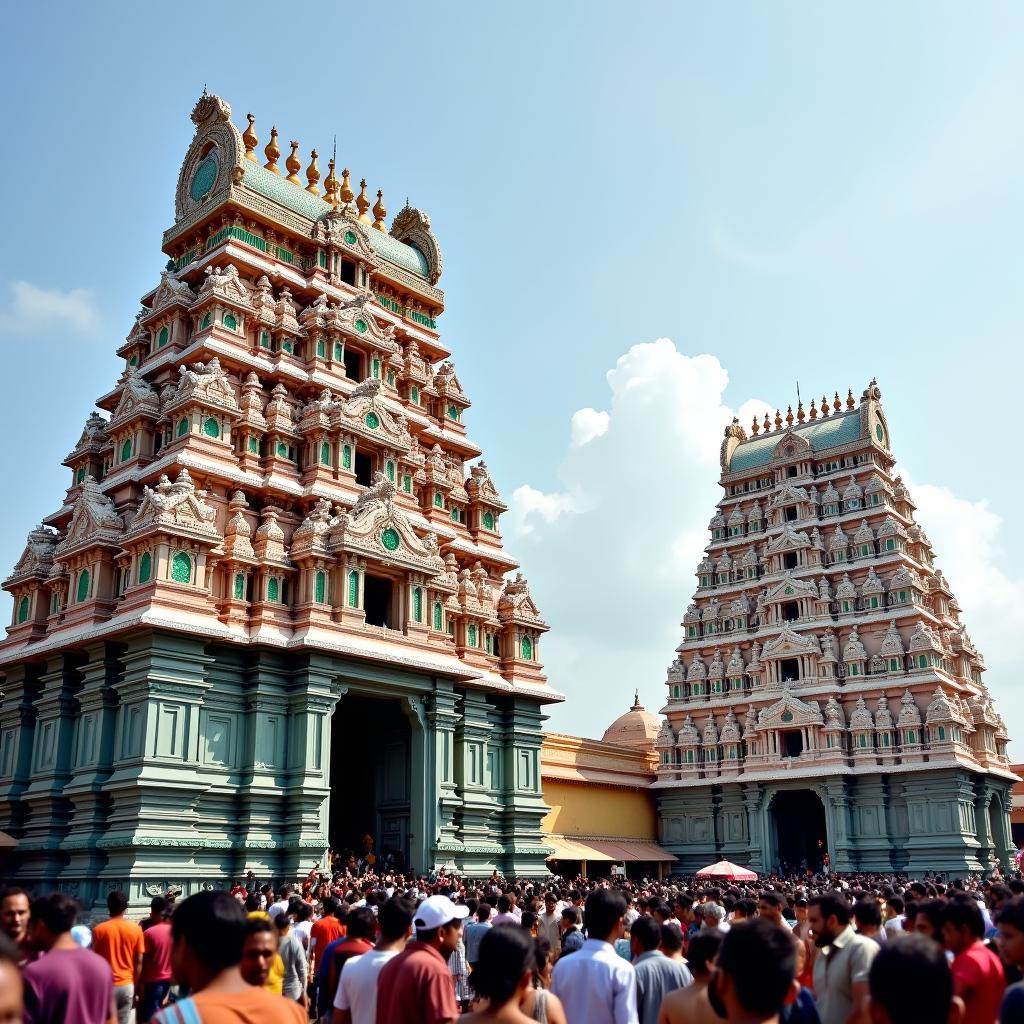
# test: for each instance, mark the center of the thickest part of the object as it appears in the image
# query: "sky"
(651, 217)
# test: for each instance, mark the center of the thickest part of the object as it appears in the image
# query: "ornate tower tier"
(273, 613)
(826, 704)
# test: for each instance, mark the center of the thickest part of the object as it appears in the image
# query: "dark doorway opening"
(801, 839)
(791, 513)
(791, 560)
(791, 611)
(789, 669)
(353, 364)
(378, 593)
(370, 802)
(348, 272)
(364, 469)
(792, 743)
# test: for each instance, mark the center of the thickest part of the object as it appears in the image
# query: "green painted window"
(55, 604)
(273, 589)
(471, 635)
(287, 346)
(134, 361)
(910, 736)
(689, 757)
(239, 586)
(229, 322)
(414, 394)
(353, 589)
(182, 427)
(942, 732)
(894, 664)
(321, 348)
(389, 466)
(181, 568)
(922, 661)
(855, 670)
(350, 239)
(407, 483)
(865, 549)
(162, 337)
(438, 499)
(362, 327)
(282, 449)
(325, 453)
(23, 609)
(874, 600)
(80, 475)
(391, 378)
(830, 740)
(456, 516)
(346, 457)
(890, 544)
(787, 716)
(489, 642)
(390, 539)
(488, 520)
(375, 368)
(339, 351)
(145, 567)
(454, 413)
(417, 604)
(126, 450)
(438, 616)
(885, 739)
(320, 587)
(206, 321)
(211, 428)
(253, 445)
(264, 339)
(83, 585)
(372, 420)
(903, 595)
(526, 649)
(862, 740)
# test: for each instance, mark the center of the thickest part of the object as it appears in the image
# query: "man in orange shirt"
(121, 943)
(208, 931)
(323, 933)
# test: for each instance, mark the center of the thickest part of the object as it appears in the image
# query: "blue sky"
(803, 192)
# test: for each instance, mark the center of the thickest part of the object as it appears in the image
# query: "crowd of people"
(394, 949)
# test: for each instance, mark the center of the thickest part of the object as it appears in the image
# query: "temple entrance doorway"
(370, 809)
(801, 838)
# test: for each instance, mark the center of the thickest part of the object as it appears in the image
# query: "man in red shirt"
(416, 987)
(156, 965)
(978, 976)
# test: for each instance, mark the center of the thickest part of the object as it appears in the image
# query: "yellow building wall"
(586, 809)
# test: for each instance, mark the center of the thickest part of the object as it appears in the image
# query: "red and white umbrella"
(729, 871)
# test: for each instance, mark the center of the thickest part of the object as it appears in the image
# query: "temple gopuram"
(273, 613)
(826, 706)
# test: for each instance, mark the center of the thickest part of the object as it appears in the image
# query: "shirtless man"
(690, 1005)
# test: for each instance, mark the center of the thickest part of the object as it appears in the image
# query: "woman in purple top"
(67, 983)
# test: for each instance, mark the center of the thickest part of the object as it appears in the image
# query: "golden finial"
(814, 412)
(789, 415)
(294, 164)
(346, 188)
(331, 184)
(755, 427)
(767, 423)
(800, 412)
(778, 420)
(380, 211)
(836, 404)
(251, 139)
(824, 404)
(272, 152)
(849, 398)
(362, 202)
(312, 174)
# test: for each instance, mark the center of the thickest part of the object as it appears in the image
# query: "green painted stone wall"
(161, 760)
(943, 819)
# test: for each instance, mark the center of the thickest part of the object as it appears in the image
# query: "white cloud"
(35, 309)
(612, 553)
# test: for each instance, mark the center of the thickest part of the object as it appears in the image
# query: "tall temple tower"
(272, 614)
(826, 700)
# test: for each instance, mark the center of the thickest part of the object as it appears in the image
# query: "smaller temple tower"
(826, 704)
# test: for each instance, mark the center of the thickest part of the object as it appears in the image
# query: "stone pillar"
(49, 810)
(18, 714)
(753, 800)
(474, 768)
(940, 806)
(842, 846)
(442, 718)
(313, 695)
(982, 828)
(93, 760)
(522, 801)
(155, 829)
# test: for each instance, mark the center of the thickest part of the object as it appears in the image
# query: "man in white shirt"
(281, 906)
(547, 923)
(356, 999)
(595, 984)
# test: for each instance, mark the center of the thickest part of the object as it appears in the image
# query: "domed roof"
(636, 728)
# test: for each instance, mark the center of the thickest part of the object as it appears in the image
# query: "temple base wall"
(162, 761)
(942, 820)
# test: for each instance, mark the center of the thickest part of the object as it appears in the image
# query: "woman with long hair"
(539, 1003)
(503, 974)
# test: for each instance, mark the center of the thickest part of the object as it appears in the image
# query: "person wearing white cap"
(416, 986)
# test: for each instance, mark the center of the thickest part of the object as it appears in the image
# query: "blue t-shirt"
(1011, 1009)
